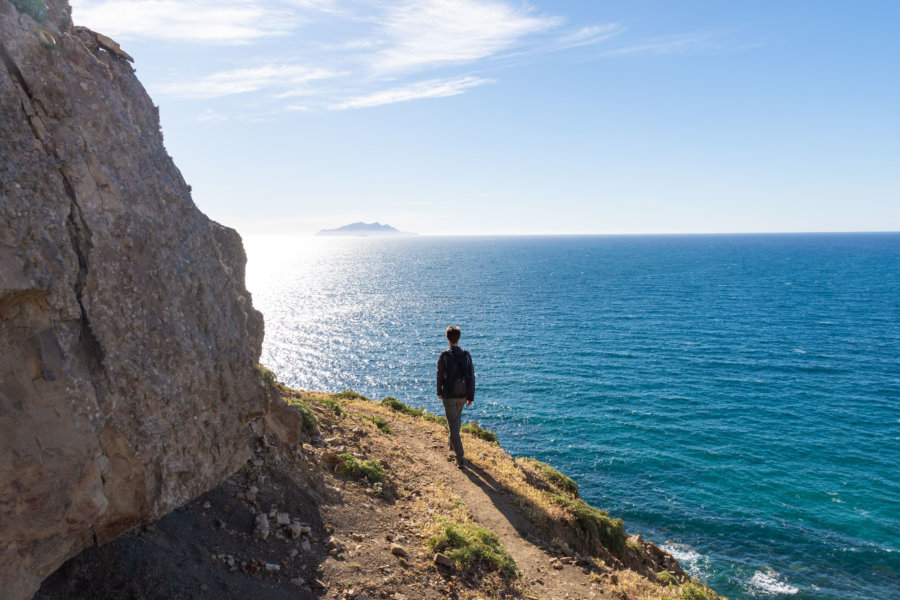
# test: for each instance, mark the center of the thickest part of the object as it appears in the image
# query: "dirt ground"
(338, 537)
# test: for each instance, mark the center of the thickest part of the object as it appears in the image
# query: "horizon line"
(408, 235)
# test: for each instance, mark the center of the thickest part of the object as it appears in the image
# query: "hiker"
(455, 388)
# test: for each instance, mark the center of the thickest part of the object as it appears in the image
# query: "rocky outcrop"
(128, 343)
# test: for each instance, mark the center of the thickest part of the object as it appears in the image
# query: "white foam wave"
(690, 560)
(770, 581)
(681, 552)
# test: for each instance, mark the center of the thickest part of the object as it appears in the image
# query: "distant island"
(364, 229)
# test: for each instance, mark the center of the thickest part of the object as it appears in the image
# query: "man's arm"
(470, 395)
(440, 375)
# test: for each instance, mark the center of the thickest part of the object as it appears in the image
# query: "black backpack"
(457, 375)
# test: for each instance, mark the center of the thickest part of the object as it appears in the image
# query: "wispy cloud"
(205, 21)
(355, 53)
(435, 88)
(588, 36)
(676, 44)
(428, 33)
(283, 78)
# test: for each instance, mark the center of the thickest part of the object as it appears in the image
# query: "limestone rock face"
(128, 342)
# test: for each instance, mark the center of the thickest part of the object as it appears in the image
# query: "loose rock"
(331, 458)
(295, 530)
(443, 559)
(261, 530)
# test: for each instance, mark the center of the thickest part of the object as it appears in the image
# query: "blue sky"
(501, 116)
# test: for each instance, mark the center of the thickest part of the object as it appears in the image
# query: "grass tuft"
(381, 424)
(370, 469)
(399, 406)
(36, 9)
(306, 413)
(592, 524)
(556, 479)
(420, 412)
(333, 405)
(431, 418)
(694, 590)
(268, 375)
(667, 578)
(349, 395)
(639, 550)
(472, 546)
(475, 429)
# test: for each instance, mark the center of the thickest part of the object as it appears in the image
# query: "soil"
(362, 542)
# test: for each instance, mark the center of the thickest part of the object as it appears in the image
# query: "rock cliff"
(128, 342)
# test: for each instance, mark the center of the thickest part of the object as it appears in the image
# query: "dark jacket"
(444, 368)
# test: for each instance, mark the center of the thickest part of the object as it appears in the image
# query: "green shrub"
(593, 524)
(667, 578)
(471, 546)
(333, 405)
(370, 469)
(306, 413)
(636, 547)
(395, 404)
(268, 375)
(475, 429)
(399, 406)
(434, 418)
(36, 9)
(694, 590)
(349, 395)
(381, 424)
(556, 479)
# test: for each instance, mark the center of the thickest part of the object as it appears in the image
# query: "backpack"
(457, 375)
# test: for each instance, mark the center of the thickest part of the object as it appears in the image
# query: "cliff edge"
(128, 342)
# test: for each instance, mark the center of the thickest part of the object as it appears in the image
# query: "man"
(455, 388)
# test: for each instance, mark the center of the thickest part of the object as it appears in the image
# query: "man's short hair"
(453, 334)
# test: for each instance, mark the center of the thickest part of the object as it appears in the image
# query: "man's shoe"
(461, 464)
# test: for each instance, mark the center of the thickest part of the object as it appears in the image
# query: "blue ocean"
(734, 398)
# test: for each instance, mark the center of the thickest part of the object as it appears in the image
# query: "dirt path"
(493, 508)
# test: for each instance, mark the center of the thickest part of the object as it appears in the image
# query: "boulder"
(128, 342)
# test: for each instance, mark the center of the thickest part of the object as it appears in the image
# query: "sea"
(733, 398)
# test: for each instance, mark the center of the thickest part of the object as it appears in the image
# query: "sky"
(512, 117)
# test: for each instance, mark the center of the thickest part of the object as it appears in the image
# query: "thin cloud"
(240, 81)
(435, 88)
(429, 33)
(220, 22)
(679, 44)
(588, 36)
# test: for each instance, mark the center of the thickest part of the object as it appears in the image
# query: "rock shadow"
(203, 550)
